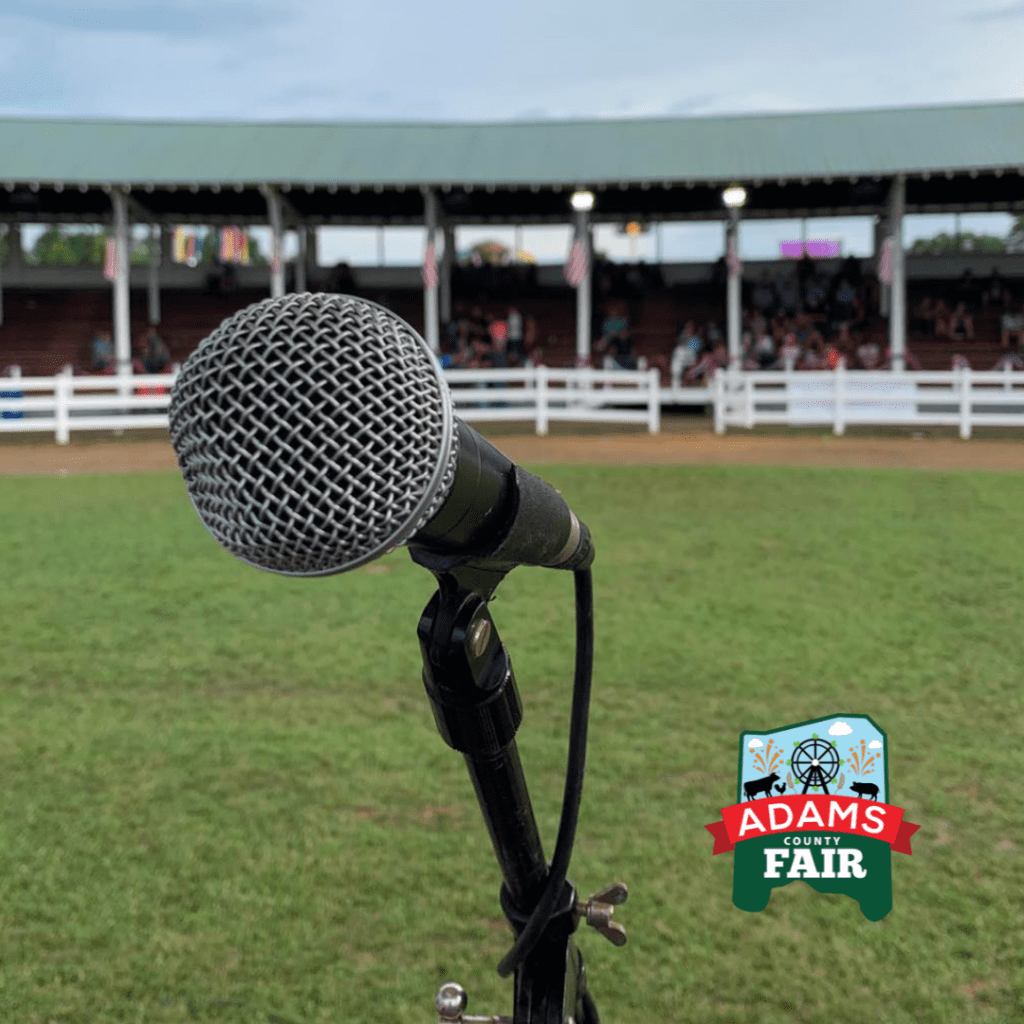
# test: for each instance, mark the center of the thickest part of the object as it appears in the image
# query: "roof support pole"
(898, 298)
(122, 270)
(447, 260)
(15, 250)
(583, 291)
(276, 261)
(155, 253)
(7, 240)
(430, 327)
(300, 261)
(312, 260)
(732, 291)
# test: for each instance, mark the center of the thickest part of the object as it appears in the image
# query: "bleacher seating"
(43, 330)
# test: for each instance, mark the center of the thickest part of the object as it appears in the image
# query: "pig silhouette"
(862, 789)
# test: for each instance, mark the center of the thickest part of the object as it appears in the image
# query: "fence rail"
(961, 398)
(540, 395)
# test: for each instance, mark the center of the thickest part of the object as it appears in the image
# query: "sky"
(521, 59)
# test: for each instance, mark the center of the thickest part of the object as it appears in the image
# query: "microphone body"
(316, 432)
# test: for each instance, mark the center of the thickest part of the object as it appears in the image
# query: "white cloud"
(754, 744)
(875, 745)
(840, 729)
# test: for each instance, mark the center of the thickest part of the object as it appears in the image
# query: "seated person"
(101, 354)
(922, 320)
(868, 355)
(845, 306)
(966, 291)
(1013, 328)
(763, 298)
(961, 323)
(806, 333)
(686, 352)
(713, 334)
(813, 356)
(941, 317)
(995, 289)
(789, 351)
(156, 357)
(764, 350)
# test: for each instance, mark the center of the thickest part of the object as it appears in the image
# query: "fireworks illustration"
(860, 760)
(769, 759)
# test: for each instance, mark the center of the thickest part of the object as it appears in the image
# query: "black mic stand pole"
(472, 690)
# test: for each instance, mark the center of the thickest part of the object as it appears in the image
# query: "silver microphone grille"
(314, 433)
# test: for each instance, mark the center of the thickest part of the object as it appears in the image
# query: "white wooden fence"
(66, 403)
(962, 398)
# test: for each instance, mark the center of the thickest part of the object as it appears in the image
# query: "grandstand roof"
(669, 168)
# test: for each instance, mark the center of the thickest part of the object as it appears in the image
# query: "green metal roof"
(749, 147)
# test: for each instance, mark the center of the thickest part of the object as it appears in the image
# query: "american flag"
(429, 271)
(110, 260)
(577, 265)
(732, 260)
(885, 262)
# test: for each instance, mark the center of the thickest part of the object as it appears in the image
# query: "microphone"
(316, 433)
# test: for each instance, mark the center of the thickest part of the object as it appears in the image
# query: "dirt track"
(686, 443)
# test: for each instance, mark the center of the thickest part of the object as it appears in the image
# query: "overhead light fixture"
(582, 200)
(734, 196)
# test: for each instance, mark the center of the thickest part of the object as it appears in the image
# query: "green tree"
(964, 244)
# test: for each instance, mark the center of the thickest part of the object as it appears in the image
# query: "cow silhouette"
(760, 786)
(863, 788)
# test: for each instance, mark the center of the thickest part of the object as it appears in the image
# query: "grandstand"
(880, 164)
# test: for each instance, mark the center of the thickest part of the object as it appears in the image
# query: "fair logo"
(812, 805)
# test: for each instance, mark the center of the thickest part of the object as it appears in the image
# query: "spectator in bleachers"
(764, 350)
(995, 293)
(941, 318)
(966, 291)
(705, 367)
(807, 335)
(868, 355)
(763, 297)
(789, 350)
(961, 323)
(789, 294)
(1013, 328)
(156, 356)
(922, 320)
(813, 289)
(516, 349)
(845, 306)
(615, 338)
(684, 355)
(102, 358)
(713, 335)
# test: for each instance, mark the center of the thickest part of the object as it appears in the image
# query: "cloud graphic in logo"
(754, 744)
(840, 729)
(875, 745)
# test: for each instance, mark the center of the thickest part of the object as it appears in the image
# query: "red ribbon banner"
(812, 813)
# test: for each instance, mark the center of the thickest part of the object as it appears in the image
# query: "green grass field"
(224, 798)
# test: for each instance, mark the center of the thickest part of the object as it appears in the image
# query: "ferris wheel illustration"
(815, 762)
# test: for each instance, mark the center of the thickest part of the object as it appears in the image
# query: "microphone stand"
(472, 690)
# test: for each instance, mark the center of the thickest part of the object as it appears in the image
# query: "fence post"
(965, 402)
(541, 388)
(839, 383)
(654, 402)
(748, 400)
(718, 397)
(62, 388)
(1008, 376)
